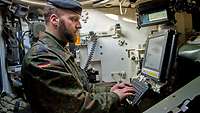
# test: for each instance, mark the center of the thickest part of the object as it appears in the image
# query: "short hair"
(48, 11)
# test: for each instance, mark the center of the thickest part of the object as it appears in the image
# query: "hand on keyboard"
(140, 88)
(123, 90)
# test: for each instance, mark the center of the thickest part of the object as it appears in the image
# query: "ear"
(54, 19)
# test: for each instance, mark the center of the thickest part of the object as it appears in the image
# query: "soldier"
(52, 80)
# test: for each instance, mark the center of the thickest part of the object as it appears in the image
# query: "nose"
(78, 25)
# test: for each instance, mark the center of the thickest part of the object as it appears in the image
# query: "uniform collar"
(63, 44)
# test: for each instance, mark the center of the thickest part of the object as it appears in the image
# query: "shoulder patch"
(44, 65)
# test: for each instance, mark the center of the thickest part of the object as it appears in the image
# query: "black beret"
(72, 5)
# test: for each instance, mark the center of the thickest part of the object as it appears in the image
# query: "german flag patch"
(44, 65)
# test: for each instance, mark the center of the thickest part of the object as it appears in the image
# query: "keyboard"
(140, 88)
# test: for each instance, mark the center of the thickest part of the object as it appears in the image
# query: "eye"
(74, 19)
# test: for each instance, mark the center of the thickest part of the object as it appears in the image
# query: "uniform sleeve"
(54, 88)
(103, 87)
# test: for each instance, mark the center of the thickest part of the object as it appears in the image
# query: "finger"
(116, 86)
(130, 90)
(128, 84)
(120, 86)
(128, 94)
(127, 87)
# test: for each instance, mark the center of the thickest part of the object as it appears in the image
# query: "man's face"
(69, 26)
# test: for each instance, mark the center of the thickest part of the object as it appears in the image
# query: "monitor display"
(161, 15)
(153, 18)
(154, 52)
(159, 55)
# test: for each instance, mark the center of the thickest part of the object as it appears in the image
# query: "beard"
(64, 33)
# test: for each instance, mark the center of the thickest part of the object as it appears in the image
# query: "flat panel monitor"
(153, 18)
(159, 55)
(154, 12)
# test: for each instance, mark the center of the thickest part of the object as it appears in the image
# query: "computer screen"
(154, 12)
(153, 18)
(159, 55)
(154, 52)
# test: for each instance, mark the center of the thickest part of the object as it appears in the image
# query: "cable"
(92, 50)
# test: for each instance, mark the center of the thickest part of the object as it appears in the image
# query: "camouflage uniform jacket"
(55, 84)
